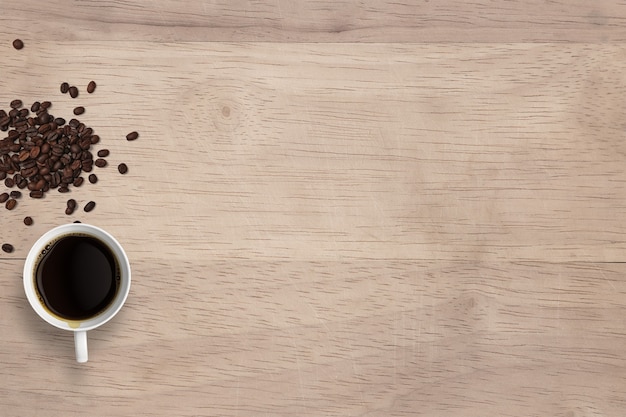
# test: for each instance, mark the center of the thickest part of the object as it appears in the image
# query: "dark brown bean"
(101, 163)
(34, 152)
(78, 182)
(7, 247)
(90, 206)
(28, 220)
(103, 153)
(79, 110)
(15, 194)
(72, 203)
(65, 87)
(59, 121)
(93, 178)
(73, 91)
(45, 104)
(36, 194)
(132, 136)
(9, 183)
(18, 44)
(63, 189)
(4, 197)
(10, 204)
(91, 87)
(24, 155)
(69, 211)
(16, 104)
(122, 168)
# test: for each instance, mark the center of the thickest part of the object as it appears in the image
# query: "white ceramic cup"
(79, 327)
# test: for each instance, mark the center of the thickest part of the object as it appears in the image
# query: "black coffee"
(77, 277)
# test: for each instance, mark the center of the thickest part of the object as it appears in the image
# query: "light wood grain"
(320, 21)
(375, 209)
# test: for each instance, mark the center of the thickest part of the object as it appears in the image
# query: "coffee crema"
(77, 276)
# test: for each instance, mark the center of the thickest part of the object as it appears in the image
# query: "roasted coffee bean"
(90, 206)
(79, 110)
(94, 139)
(4, 197)
(122, 168)
(15, 194)
(73, 91)
(16, 104)
(91, 87)
(9, 183)
(132, 136)
(24, 155)
(78, 182)
(28, 220)
(69, 211)
(18, 44)
(93, 178)
(103, 153)
(35, 107)
(46, 104)
(65, 87)
(36, 194)
(59, 121)
(71, 203)
(7, 247)
(101, 163)
(10, 204)
(63, 189)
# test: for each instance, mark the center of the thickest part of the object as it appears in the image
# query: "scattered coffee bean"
(7, 247)
(18, 44)
(91, 87)
(35, 194)
(103, 153)
(4, 197)
(28, 220)
(122, 168)
(9, 182)
(16, 104)
(79, 110)
(71, 203)
(93, 178)
(132, 136)
(15, 194)
(90, 206)
(65, 87)
(10, 204)
(73, 91)
(100, 163)
(76, 221)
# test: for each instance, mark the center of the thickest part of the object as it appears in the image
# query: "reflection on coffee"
(77, 276)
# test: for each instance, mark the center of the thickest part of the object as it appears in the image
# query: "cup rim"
(102, 317)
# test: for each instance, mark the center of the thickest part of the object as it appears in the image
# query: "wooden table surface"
(334, 208)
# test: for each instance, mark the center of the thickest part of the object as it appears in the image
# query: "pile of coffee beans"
(41, 152)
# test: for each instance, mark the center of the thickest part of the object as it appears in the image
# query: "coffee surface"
(77, 277)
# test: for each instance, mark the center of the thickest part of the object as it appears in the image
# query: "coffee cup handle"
(80, 345)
